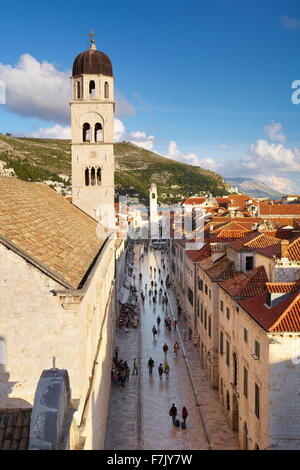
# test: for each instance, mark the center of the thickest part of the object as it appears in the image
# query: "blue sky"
(199, 81)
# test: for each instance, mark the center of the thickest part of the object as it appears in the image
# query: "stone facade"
(40, 321)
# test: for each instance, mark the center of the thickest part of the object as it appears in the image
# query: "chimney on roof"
(284, 248)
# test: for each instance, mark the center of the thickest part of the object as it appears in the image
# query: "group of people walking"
(173, 414)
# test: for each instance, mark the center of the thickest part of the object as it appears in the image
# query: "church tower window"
(87, 177)
(92, 89)
(86, 132)
(93, 177)
(106, 90)
(98, 132)
(78, 89)
(98, 177)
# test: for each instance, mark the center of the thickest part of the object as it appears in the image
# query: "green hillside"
(45, 159)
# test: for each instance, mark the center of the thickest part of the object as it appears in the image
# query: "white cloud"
(175, 154)
(290, 23)
(55, 132)
(141, 139)
(265, 156)
(37, 89)
(210, 164)
(119, 130)
(273, 131)
(283, 185)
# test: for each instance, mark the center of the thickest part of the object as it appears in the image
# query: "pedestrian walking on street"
(150, 365)
(175, 324)
(165, 349)
(184, 415)
(158, 320)
(173, 412)
(116, 352)
(154, 331)
(166, 300)
(127, 373)
(160, 370)
(166, 370)
(135, 368)
(176, 348)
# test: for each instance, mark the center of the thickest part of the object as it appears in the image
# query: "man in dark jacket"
(150, 365)
(173, 412)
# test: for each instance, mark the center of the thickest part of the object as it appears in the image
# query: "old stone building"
(58, 267)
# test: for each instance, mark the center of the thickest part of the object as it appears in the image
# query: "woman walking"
(184, 416)
(176, 348)
(167, 370)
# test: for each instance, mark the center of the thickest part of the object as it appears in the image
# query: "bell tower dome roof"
(92, 61)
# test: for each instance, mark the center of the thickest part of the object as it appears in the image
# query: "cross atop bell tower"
(92, 122)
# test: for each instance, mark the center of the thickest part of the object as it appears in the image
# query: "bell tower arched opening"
(86, 132)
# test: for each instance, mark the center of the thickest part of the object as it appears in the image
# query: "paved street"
(138, 413)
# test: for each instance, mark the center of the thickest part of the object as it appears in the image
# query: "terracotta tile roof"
(270, 251)
(282, 287)
(279, 209)
(284, 316)
(286, 234)
(279, 222)
(290, 319)
(240, 244)
(220, 219)
(14, 428)
(231, 233)
(238, 199)
(195, 200)
(234, 226)
(294, 250)
(246, 284)
(44, 225)
(219, 270)
(261, 241)
(196, 255)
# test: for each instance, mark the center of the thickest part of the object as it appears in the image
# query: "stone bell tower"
(154, 220)
(92, 121)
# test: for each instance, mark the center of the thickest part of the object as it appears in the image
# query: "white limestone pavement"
(158, 395)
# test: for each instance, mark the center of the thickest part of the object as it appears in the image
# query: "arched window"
(153, 195)
(93, 177)
(106, 90)
(98, 132)
(86, 137)
(92, 89)
(98, 177)
(87, 177)
(78, 89)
